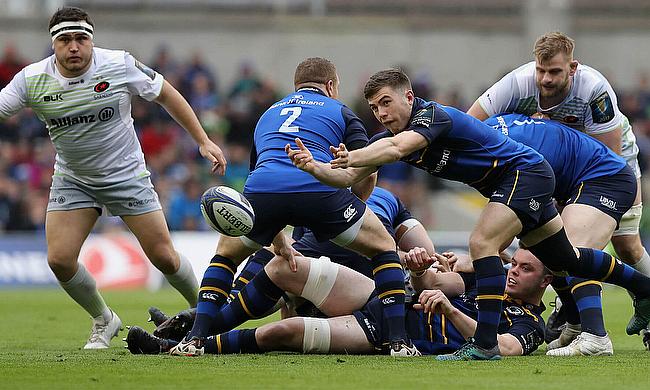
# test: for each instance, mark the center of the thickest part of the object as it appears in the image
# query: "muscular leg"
(588, 227)
(300, 334)
(626, 240)
(374, 242)
(497, 224)
(153, 235)
(65, 232)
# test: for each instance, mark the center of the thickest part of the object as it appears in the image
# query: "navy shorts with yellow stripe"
(327, 214)
(613, 194)
(529, 194)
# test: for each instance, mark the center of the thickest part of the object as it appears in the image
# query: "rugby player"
(83, 95)
(596, 187)
(517, 180)
(578, 96)
(441, 320)
(282, 195)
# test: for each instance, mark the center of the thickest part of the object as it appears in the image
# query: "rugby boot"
(102, 332)
(641, 316)
(401, 348)
(556, 321)
(471, 351)
(569, 333)
(139, 341)
(585, 344)
(646, 339)
(191, 347)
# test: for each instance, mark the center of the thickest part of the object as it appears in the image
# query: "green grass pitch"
(42, 332)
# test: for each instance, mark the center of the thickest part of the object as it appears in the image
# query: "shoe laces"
(96, 332)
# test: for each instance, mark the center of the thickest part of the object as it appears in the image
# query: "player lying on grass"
(441, 321)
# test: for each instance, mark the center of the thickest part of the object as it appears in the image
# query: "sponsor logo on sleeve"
(145, 69)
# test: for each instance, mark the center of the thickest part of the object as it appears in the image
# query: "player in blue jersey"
(597, 188)
(517, 180)
(407, 231)
(443, 317)
(283, 195)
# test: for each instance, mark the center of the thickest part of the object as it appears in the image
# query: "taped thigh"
(321, 279)
(316, 338)
(630, 221)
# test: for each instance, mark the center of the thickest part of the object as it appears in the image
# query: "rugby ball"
(227, 211)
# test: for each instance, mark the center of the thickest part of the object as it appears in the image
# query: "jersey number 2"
(286, 125)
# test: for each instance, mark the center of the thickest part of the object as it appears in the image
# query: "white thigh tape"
(316, 338)
(630, 221)
(322, 275)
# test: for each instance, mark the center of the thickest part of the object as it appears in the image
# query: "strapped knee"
(316, 338)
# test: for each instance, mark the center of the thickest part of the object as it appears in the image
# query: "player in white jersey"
(557, 86)
(83, 95)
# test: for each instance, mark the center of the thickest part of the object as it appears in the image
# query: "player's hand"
(463, 264)
(434, 301)
(417, 259)
(213, 153)
(282, 247)
(301, 157)
(445, 261)
(341, 157)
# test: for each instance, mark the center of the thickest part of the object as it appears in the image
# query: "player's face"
(73, 53)
(392, 108)
(553, 77)
(526, 278)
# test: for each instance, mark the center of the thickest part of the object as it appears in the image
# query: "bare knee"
(278, 271)
(479, 246)
(629, 249)
(63, 266)
(164, 257)
(285, 335)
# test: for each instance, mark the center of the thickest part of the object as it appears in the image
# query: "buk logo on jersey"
(53, 98)
(104, 115)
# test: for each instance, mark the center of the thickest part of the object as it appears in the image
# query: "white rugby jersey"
(88, 117)
(590, 107)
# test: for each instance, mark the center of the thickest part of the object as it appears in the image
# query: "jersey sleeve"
(602, 114)
(501, 97)
(142, 80)
(13, 97)
(529, 333)
(356, 136)
(403, 214)
(430, 122)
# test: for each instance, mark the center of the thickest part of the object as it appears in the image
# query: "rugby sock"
(389, 285)
(490, 285)
(83, 289)
(643, 265)
(184, 281)
(213, 293)
(253, 301)
(588, 299)
(563, 290)
(235, 341)
(254, 264)
(598, 265)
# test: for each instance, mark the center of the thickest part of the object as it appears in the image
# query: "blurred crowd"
(228, 113)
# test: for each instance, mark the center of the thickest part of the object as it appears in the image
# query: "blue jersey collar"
(312, 89)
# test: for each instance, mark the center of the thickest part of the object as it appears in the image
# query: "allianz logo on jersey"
(104, 115)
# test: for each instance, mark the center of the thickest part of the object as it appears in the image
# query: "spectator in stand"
(10, 64)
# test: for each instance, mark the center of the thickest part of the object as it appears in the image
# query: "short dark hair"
(69, 14)
(314, 70)
(550, 44)
(394, 78)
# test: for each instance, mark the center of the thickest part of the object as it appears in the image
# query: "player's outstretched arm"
(384, 151)
(340, 178)
(179, 109)
(477, 111)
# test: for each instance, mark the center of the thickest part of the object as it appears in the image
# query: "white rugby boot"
(401, 348)
(102, 332)
(191, 347)
(585, 344)
(568, 334)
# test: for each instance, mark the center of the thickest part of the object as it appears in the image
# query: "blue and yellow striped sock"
(235, 341)
(490, 286)
(598, 265)
(213, 293)
(389, 285)
(253, 301)
(254, 265)
(588, 298)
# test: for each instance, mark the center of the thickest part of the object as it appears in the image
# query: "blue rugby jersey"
(434, 334)
(462, 148)
(574, 156)
(318, 121)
